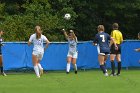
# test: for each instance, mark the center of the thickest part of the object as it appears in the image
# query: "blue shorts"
(101, 52)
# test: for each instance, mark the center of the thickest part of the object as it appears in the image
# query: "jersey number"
(103, 38)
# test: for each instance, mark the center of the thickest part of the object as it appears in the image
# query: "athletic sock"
(103, 68)
(68, 67)
(36, 71)
(1, 68)
(119, 67)
(75, 67)
(39, 66)
(112, 67)
(104, 63)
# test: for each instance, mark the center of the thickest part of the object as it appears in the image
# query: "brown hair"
(115, 26)
(38, 35)
(101, 28)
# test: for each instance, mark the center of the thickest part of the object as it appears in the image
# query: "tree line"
(19, 17)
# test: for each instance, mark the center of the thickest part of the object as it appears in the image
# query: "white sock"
(75, 67)
(39, 66)
(68, 67)
(36, 71)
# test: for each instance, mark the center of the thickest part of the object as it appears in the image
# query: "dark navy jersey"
(1, 40)
(102, 39)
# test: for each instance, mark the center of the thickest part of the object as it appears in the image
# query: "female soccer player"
(118, 37)
(1, 61)
(102, 40)
(72, 53)
(37, 39)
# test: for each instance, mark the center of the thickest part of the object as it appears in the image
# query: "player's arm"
(113, 40)
(65, 33)
(75, 38)
(30, 41)
(47, 42)
(138, 49)
(95, 41)
(113, 36)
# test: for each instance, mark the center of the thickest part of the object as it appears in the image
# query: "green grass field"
(59, 82)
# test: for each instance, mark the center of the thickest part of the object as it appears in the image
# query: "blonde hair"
(101, 28)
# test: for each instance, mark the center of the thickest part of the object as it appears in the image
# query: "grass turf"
(83, 82)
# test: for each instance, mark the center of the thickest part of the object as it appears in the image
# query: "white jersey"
(72, 45)
(38, 43)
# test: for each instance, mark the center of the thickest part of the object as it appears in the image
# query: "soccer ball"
(67, 16)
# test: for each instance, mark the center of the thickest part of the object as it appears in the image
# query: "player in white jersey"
(38, 50)
(72, 52)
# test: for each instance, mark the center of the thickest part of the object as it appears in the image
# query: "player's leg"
(74, 59)
(35, 63)
(112, 58)
(101, 61)
(106, 56)
(39, 65)
(69, 59)
(118, 58)
(1, 66)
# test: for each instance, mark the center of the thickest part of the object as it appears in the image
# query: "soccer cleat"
(38, 77)
(112, 74)
(118, 74)
(75, 72)
(41, 72)
(106, 74)
(67, 72)
(3, 74)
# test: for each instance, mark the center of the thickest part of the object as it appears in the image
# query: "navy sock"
(103, 68)
(1, 68)
(119, 67)
(112, 67)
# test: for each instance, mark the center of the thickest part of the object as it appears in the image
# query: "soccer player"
(138, 49)
(118, 37)
(1, 60)
(37, 39)
(102, 41)
(72, 52)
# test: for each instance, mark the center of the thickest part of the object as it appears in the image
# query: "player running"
(118, 37)
(72, 52)
(1, 60)
(102, 41)
(37, 39)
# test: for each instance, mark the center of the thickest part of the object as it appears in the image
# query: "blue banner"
(19, 55)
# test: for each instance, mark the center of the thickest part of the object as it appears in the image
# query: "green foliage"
(19, 17)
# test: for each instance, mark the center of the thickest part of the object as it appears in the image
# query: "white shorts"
(39, 55)
(72, 54)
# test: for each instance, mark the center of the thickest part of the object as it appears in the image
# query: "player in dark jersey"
(1, 61)
(102, 41)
